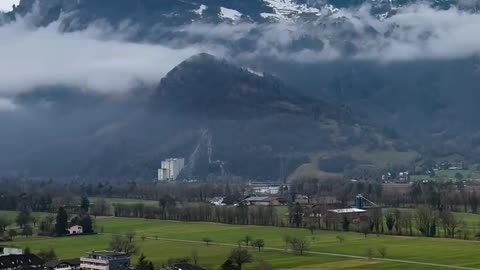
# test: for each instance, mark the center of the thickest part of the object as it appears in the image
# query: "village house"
(74, 230)
(217, 201)
(262, 201)
(353, 215)
(73, 264)
(105, 260)
(14, 262)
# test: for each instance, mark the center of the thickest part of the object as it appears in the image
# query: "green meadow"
(125, 201)
(164, 240)
(11, 215)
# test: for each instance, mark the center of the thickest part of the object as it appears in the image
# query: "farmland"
(445, 175)
(164, 240)
(12, 214)
(126, 201)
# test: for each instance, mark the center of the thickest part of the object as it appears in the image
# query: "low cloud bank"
(102, 60)
(416, 32)
(32, 57)
(7, 105)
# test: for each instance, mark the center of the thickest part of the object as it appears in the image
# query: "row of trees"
(48, 196)
(424, 221)
(244, 215)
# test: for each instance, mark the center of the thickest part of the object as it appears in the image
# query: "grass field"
(444, 175)
(11, 215)
(472, 221)
(126, 201)
(437, 251)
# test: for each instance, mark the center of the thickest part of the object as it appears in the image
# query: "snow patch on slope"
(200, 10)
(231, 14)
(288, 9)
(259, 74)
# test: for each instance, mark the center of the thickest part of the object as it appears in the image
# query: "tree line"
(49, 195)
(172, 210)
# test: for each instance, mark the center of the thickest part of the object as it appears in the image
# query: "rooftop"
(106, 253)
(12, 261)
(186, 266)
(347, 210)
(257, 199)
(55, 263)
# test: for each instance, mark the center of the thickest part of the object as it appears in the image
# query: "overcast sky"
(6, 5)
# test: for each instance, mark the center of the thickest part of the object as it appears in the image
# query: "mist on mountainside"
(102, 89)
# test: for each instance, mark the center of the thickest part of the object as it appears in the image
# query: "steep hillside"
(209, 87)
(431, 104)
(224, 119)
(258, 126)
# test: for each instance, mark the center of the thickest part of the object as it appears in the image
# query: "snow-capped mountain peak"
(288, 9)
(230, 14)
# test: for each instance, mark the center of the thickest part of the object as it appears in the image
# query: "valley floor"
(164, 240)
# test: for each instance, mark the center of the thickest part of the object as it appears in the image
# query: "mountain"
(206, 86)
(352, 82)
(224, 119)
(180, 12)
(430, 103)
(256, 126)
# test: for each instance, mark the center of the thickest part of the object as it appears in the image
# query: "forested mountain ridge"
(211, 86)
(225, 120)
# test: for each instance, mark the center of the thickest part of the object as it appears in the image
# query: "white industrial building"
(170, 169)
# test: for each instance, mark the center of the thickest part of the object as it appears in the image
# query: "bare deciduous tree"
(259, 244)
(382, 250)
(299, 245)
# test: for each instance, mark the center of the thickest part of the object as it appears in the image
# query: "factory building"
(170, 169)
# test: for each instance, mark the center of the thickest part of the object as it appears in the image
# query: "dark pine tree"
(86, 223)
(62, 222)
(85, 204)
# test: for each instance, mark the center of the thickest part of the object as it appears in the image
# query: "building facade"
(105, 260)
(170, 169)
(5, 251)
(262, 201)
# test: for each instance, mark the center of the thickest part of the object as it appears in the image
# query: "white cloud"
(7, 105)
(427, 33)
(86, 59)
(6, 5)
(416, 32)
